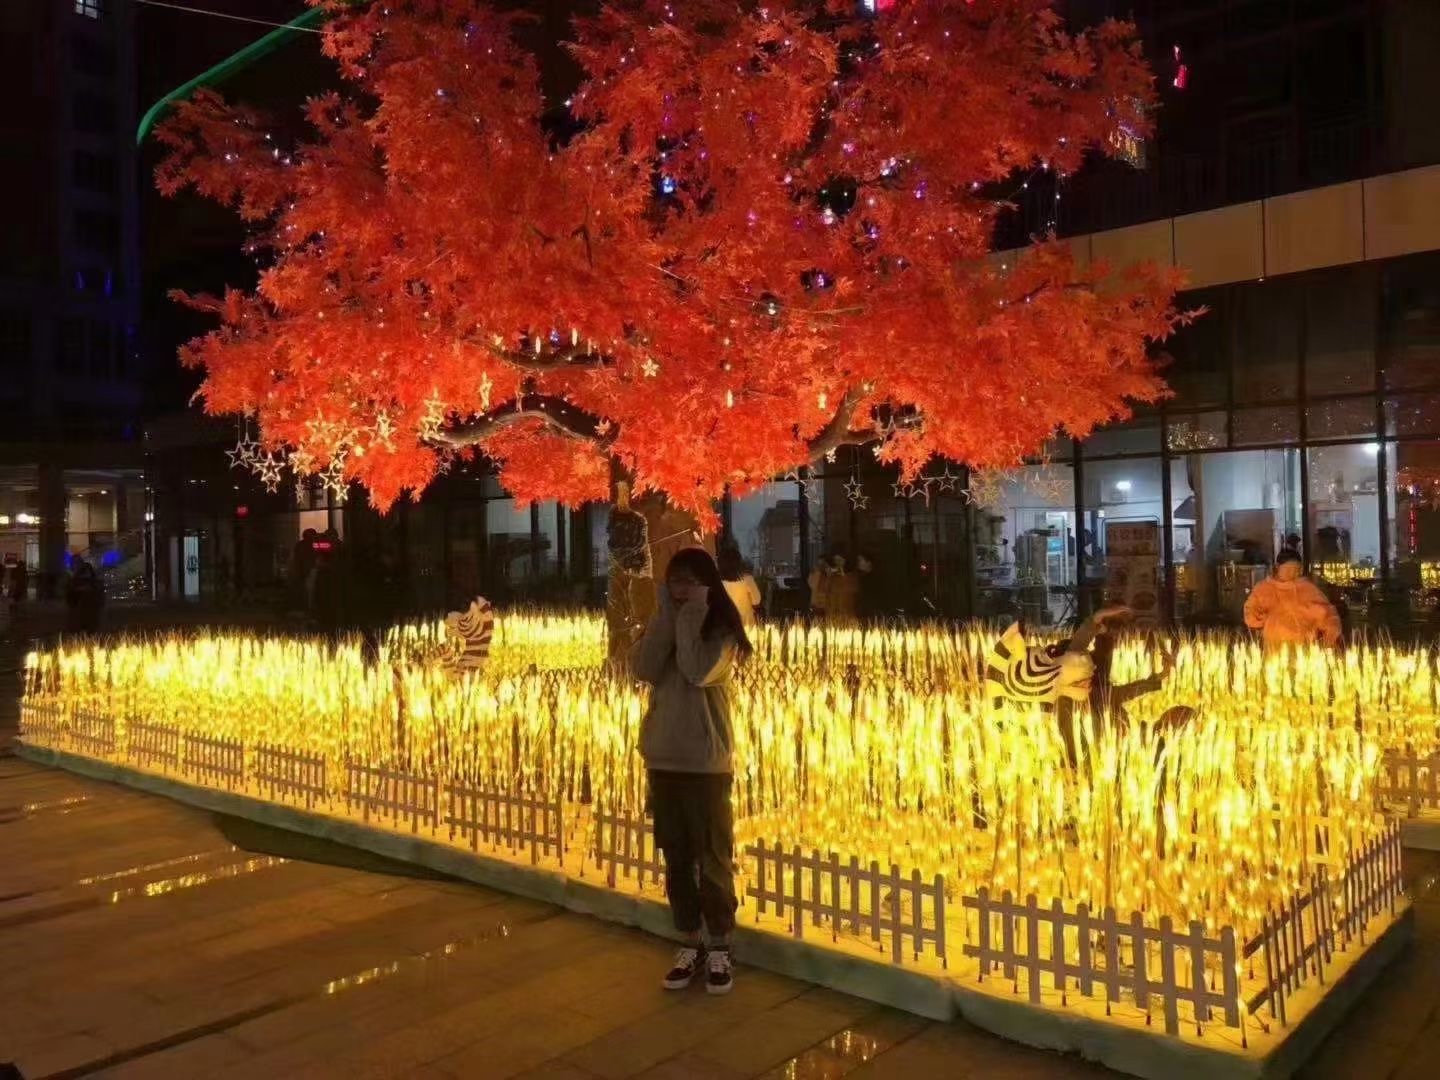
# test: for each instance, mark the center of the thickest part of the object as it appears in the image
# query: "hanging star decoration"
(855, 492)
(650, 368)
(434, 418)
(1052, 485)
(987, 487)
(268, 467)
(947, 481)
(384, 430)
(333, 477)
(244, 453)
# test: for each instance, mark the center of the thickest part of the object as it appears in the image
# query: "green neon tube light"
(238, 61)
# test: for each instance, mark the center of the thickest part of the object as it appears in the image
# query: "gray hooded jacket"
(687, 727)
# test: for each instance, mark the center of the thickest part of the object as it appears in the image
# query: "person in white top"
(739, 584)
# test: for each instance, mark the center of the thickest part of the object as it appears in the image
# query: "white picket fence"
(1298, 942)
(387, 793)
(1184, 973)
(624, 846)
(488, 814)
(153, 746)
(1118, 956)
(290, 774)
(92, 733)
(42, 725)
(219, 762)
(864, 900)
(1411, 780)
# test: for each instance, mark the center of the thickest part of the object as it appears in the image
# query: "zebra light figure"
(470, 632)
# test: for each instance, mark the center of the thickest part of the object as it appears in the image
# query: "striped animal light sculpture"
(469, 632)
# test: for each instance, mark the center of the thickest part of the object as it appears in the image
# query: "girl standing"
(687, 654)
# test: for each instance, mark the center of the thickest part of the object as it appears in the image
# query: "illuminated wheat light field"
(875, 744)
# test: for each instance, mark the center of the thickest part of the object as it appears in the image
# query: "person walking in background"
(842, 595)
(302, 563)
(84, 597)
(687, 654)
(869, 602)
(19, 583)
(1289, 609)
(740, 584)
(819, 582)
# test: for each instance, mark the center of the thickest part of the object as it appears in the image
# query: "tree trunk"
(632, 580)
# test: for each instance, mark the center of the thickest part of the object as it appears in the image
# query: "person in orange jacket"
(1289, 609)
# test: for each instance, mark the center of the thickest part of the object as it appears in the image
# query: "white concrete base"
(1128, 1047)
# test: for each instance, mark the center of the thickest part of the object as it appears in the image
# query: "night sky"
(188, 243)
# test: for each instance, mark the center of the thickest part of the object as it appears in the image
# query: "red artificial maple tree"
(763, 236)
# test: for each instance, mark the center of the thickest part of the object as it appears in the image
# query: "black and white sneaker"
(688, 962)
(721, 975)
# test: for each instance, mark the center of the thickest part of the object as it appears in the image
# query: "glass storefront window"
(1340, 310)
(1412, 414)
(1267, 356)
(1341, 418)
(1412, 303)
(1195, 431)
(1138, 436)
(510, 549)
(765, 524)
(1128, 493)
(1200, 371)
(1273, 424)
(1025, 545)
(1413, 525)
(1231, 512)
(1344, 540)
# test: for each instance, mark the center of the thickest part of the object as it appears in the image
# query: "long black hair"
(722, 617)
(732, 566)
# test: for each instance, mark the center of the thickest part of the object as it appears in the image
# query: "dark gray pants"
(695, 829)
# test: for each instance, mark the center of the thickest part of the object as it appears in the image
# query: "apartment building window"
(93, 113)
(91, 9)
(101, 359)
(97, 231)
(92, 57)
(71, 358)
(95, 172)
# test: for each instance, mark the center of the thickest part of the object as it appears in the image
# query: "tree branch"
(838, 432)
(554, 412)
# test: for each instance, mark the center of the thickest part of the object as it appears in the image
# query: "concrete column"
(52, 530)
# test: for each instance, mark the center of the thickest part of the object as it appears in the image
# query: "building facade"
(71, 483)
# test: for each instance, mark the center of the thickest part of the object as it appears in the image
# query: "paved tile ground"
(144, 938)
(139, 937)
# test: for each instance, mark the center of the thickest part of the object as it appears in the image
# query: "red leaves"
(762, 213)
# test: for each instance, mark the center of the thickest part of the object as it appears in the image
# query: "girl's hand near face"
(692, 594)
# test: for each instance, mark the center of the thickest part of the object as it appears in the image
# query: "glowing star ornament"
(333, 479)
(947, 481)
(650, 368)
(268, 468)
(855, 492)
